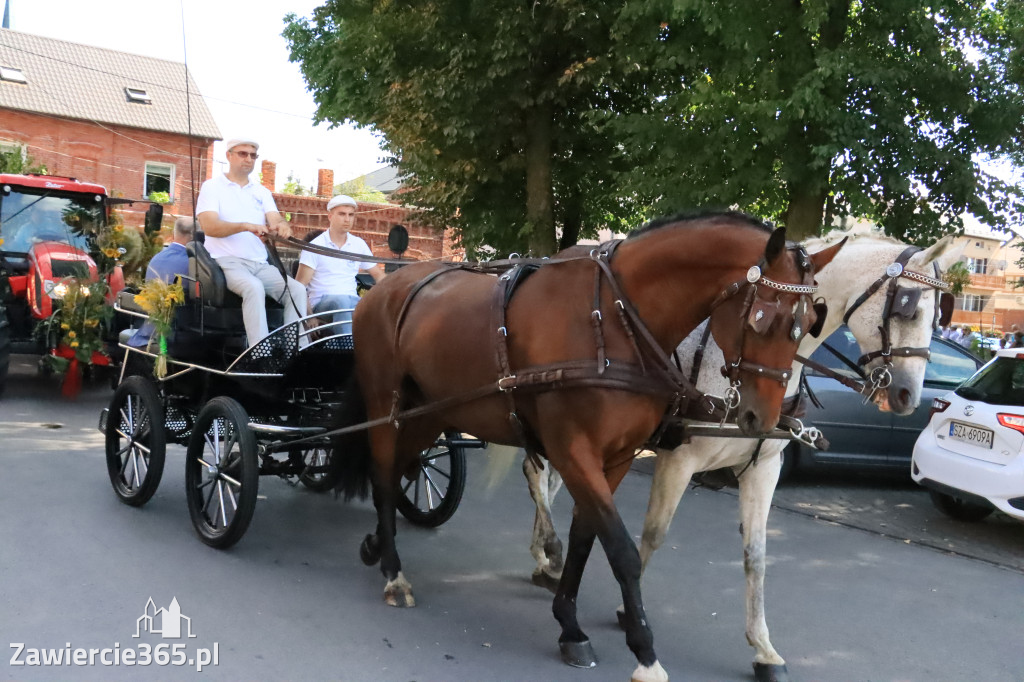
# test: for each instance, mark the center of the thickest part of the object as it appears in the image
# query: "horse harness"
(653, 373)
(900, 301)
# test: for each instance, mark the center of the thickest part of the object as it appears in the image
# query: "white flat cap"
(235, 141)
(340, 200)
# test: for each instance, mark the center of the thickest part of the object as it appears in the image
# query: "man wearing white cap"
(234, 213)
(331, 282)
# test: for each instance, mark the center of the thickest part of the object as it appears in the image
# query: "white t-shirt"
(236, 204)
(334, 275)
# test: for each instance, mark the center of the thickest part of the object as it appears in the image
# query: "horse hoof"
(649, 673)
(771, 672)
(545, 580)
(398, 593)
(369, 550)
(578, 654)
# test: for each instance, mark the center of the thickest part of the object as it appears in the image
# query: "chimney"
(325, 183)
(268, 169)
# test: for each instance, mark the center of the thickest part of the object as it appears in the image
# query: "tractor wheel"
(5, 348)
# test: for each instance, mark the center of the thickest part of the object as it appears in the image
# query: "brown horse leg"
(595, 515)
(397, 591)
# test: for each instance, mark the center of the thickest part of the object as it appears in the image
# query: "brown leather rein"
(664, 379)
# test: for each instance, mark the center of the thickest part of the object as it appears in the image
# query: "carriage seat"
(208, 289)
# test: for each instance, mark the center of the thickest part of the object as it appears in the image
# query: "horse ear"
(776, 245)
(944, 252)
(825, 256)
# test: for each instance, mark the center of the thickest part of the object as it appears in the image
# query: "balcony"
(988, 281)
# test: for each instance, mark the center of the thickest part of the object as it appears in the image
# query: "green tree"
(498, 112)
(357, 189)
(808, 110)
(18, 162)
(293, 186)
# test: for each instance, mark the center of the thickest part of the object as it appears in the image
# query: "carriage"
(242, 413)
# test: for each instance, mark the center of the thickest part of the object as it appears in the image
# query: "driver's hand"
(283, 230)
(256, 229)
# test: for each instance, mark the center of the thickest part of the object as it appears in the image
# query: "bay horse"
(576, 368)
(874, 321)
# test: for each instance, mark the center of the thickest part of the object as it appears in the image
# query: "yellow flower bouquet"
(160, 299)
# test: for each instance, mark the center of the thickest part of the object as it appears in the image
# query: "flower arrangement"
(160, 299)
(75, 329)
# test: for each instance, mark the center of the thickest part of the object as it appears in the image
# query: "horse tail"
(352, 461)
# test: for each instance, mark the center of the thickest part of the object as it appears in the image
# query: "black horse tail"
(351, 458)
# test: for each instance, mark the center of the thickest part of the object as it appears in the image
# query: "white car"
(971, 454)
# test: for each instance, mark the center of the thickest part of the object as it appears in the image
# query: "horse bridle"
(758, 315)
(899, 301)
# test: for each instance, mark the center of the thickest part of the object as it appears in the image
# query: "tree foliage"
(522, 121)
(808, 110)
(16, 161)
(499, 111)
(357, 189)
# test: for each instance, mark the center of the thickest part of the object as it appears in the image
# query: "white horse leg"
(545, 546)
(672, 473)
(757, 484)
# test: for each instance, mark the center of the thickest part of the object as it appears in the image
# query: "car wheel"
(957, 508)
(790, 458)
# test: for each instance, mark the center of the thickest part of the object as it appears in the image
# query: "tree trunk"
(572, 221)
(804, 212)
(540, 199)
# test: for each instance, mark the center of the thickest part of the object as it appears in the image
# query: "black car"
(860, 435)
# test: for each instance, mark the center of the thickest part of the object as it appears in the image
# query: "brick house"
(308, 214)
(117, 119)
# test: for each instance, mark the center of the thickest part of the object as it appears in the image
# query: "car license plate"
(970, 434)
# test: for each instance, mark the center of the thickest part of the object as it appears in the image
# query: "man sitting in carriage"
(331, 282)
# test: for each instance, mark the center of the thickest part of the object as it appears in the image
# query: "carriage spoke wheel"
(221, 473)
(320, 481)
(432, 497)
(135, 440)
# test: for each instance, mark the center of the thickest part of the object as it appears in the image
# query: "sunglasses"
(251, 155)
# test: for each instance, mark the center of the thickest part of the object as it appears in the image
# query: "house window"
(9, 73)
(972, 303)
(978, 266)
(159, 178)
(138, 95)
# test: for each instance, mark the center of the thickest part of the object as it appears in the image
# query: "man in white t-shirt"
(234, 213)
(331, 282)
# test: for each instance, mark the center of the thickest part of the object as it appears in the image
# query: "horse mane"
(691, 216)
(854, 234)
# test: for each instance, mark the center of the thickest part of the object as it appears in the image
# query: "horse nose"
(899, 400)
(749, 423)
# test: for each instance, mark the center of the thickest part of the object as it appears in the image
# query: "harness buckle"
(597, 314)
(506, 384)
(503, 331)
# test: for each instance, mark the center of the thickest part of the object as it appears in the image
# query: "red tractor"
(43, 242)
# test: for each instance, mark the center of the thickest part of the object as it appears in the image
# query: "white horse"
(862, 261)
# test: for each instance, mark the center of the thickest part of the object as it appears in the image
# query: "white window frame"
(161, 167)
(12, 74)
(138, 95)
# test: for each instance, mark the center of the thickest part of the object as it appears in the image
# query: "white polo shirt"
(333, 276)
(236, 204)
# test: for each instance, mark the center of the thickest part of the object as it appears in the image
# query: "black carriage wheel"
(135, 441)
(432, 497)
(318, 482)
(222, 473)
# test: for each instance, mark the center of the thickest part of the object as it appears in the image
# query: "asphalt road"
(848, 597)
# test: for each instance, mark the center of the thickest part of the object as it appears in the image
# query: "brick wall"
(113, 156)
(373, 222)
